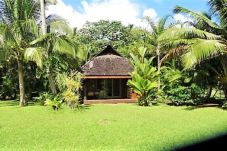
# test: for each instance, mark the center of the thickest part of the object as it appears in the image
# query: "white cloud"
(182, 19)
(121, 10)
(150, 13)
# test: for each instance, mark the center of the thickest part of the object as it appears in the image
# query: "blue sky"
(77, 12)
(163, 7)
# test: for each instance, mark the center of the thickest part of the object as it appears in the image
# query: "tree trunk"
(209, 92)
(158, 66)
(44, 31)
(51, 82)
(225, 90)
(43, 17)
(21, 83)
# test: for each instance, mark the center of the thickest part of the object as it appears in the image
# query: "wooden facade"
(106, 77)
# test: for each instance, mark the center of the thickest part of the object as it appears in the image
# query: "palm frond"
(201, 50)
(162, 23)
(65, 45)
(187, 33)
(60, 26)
(197, 16)
(34, 54)
(30, 26)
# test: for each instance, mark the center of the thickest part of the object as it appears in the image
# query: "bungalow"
(105, 78)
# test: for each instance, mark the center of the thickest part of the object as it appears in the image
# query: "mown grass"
(107, 127)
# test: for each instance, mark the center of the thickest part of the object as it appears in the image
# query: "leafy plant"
(43, 97)
(224, 106)
(55, 103)
(69, 86)
(144, 78)
(179, 87)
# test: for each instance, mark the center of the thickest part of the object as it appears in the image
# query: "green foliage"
(179, 87)
(8, 88)
(224, 106)
(43, 97)
(96, 35)
(55, 103)
(144, 78)
(70, 86)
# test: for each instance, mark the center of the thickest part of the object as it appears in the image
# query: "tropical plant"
(144, 78)
(17, 29)
(157, 29)
(180, 88)
(205, 40)
(55, 103)
(70, 87)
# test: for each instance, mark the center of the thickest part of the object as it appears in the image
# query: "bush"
(8, 87)
(144, 78)
(55, 103)
(180, 89)
(224, 106)
(69, 86)
(43, 97)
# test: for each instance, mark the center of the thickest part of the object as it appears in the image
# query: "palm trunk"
(43, 17)
(21, 83)
(225, 90)
(51, 83)
(44, 31)
(209, 92)
(158, 66)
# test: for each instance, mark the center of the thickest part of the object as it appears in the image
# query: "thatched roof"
(107, 63)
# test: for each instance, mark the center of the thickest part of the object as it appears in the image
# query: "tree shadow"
(9, 103)
(202, 106)
(85, 106)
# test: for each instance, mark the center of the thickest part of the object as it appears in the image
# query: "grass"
(107, 127)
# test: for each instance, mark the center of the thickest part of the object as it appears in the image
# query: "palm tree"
(22, 40)
(157, 29)
(204, 41)
(17, 28)
(44, 31)
(43, 14)
(50, 42)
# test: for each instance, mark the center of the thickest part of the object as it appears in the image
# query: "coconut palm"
(48, 44)
(157, 29)
(205, 40)
(17, 28)
(22, 40)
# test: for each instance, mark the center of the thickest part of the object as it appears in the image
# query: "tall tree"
(157, 30)
(17, 28)
(22, 40)
(43, 4)
(97, 35)
(202, 42)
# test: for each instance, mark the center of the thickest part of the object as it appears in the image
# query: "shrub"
(144, 78)
(69, 86)
(43, 97)
(8, 88)
(179, 88)
(55, 103)
(224, 106)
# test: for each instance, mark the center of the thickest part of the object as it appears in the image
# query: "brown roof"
(108, 62)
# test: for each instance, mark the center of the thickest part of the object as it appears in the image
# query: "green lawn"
(107, 127)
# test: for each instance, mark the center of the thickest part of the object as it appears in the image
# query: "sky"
(78, 12)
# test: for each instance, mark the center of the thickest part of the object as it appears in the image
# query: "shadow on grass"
(202, 106)
(9, 103)
(6, 103)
